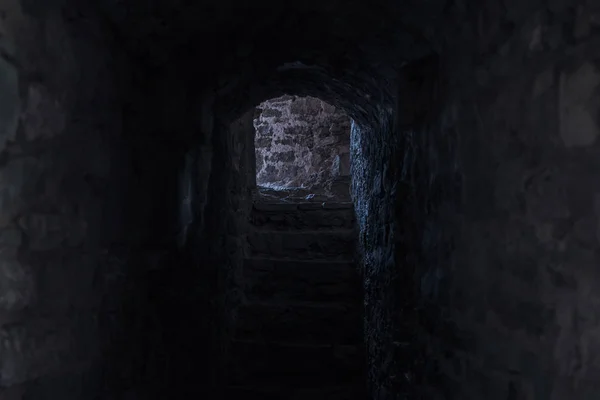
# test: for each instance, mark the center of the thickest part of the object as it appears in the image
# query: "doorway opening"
(302, 149)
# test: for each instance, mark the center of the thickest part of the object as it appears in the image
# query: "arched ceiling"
(345, 52)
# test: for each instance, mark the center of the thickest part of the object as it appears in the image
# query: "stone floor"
(336, 191)
(300, 329)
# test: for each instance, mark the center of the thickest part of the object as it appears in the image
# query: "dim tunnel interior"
(129, 223)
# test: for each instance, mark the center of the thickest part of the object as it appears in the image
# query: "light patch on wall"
(301, 142)
(185, 199)
(578, 126)
(43, 116)
(10, 102)
(10, 23)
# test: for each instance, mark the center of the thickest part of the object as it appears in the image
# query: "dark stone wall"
(63, 203)
(477, 288)
(301, 142)
(529, 167)
(215, 254)
(407, 191)
(103, 189)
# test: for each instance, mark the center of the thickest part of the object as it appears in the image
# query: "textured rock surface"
(301, 142)
(97, 213)
(60, 125)
(481, 224)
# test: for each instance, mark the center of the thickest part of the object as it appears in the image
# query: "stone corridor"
(130, 232)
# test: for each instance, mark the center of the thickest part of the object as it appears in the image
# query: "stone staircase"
(299, 331)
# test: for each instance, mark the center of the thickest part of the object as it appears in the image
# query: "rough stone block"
(543, 82)
(264, 206)
(68, 282)
(43, 347)
(344, 164)
(293, 281)
(305, 245)
(295, 365)
(11, 237)
(301, 323)
(310, 206)
(280, 392)
(337, 205)
(583, 22)
(10, 25)
(578, 126)
(311, 216)
(17, 286)
(17, 186)
(13, 393)
(43, 116)
(83, 383)
(48, 231)
(10, 102)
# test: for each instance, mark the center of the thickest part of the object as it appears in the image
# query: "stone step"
(305, 323)
(283, 216)
(348, 392)
(332, 244)
(293, 280)
(260, 363)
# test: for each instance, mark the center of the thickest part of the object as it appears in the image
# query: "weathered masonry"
(301, 142)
